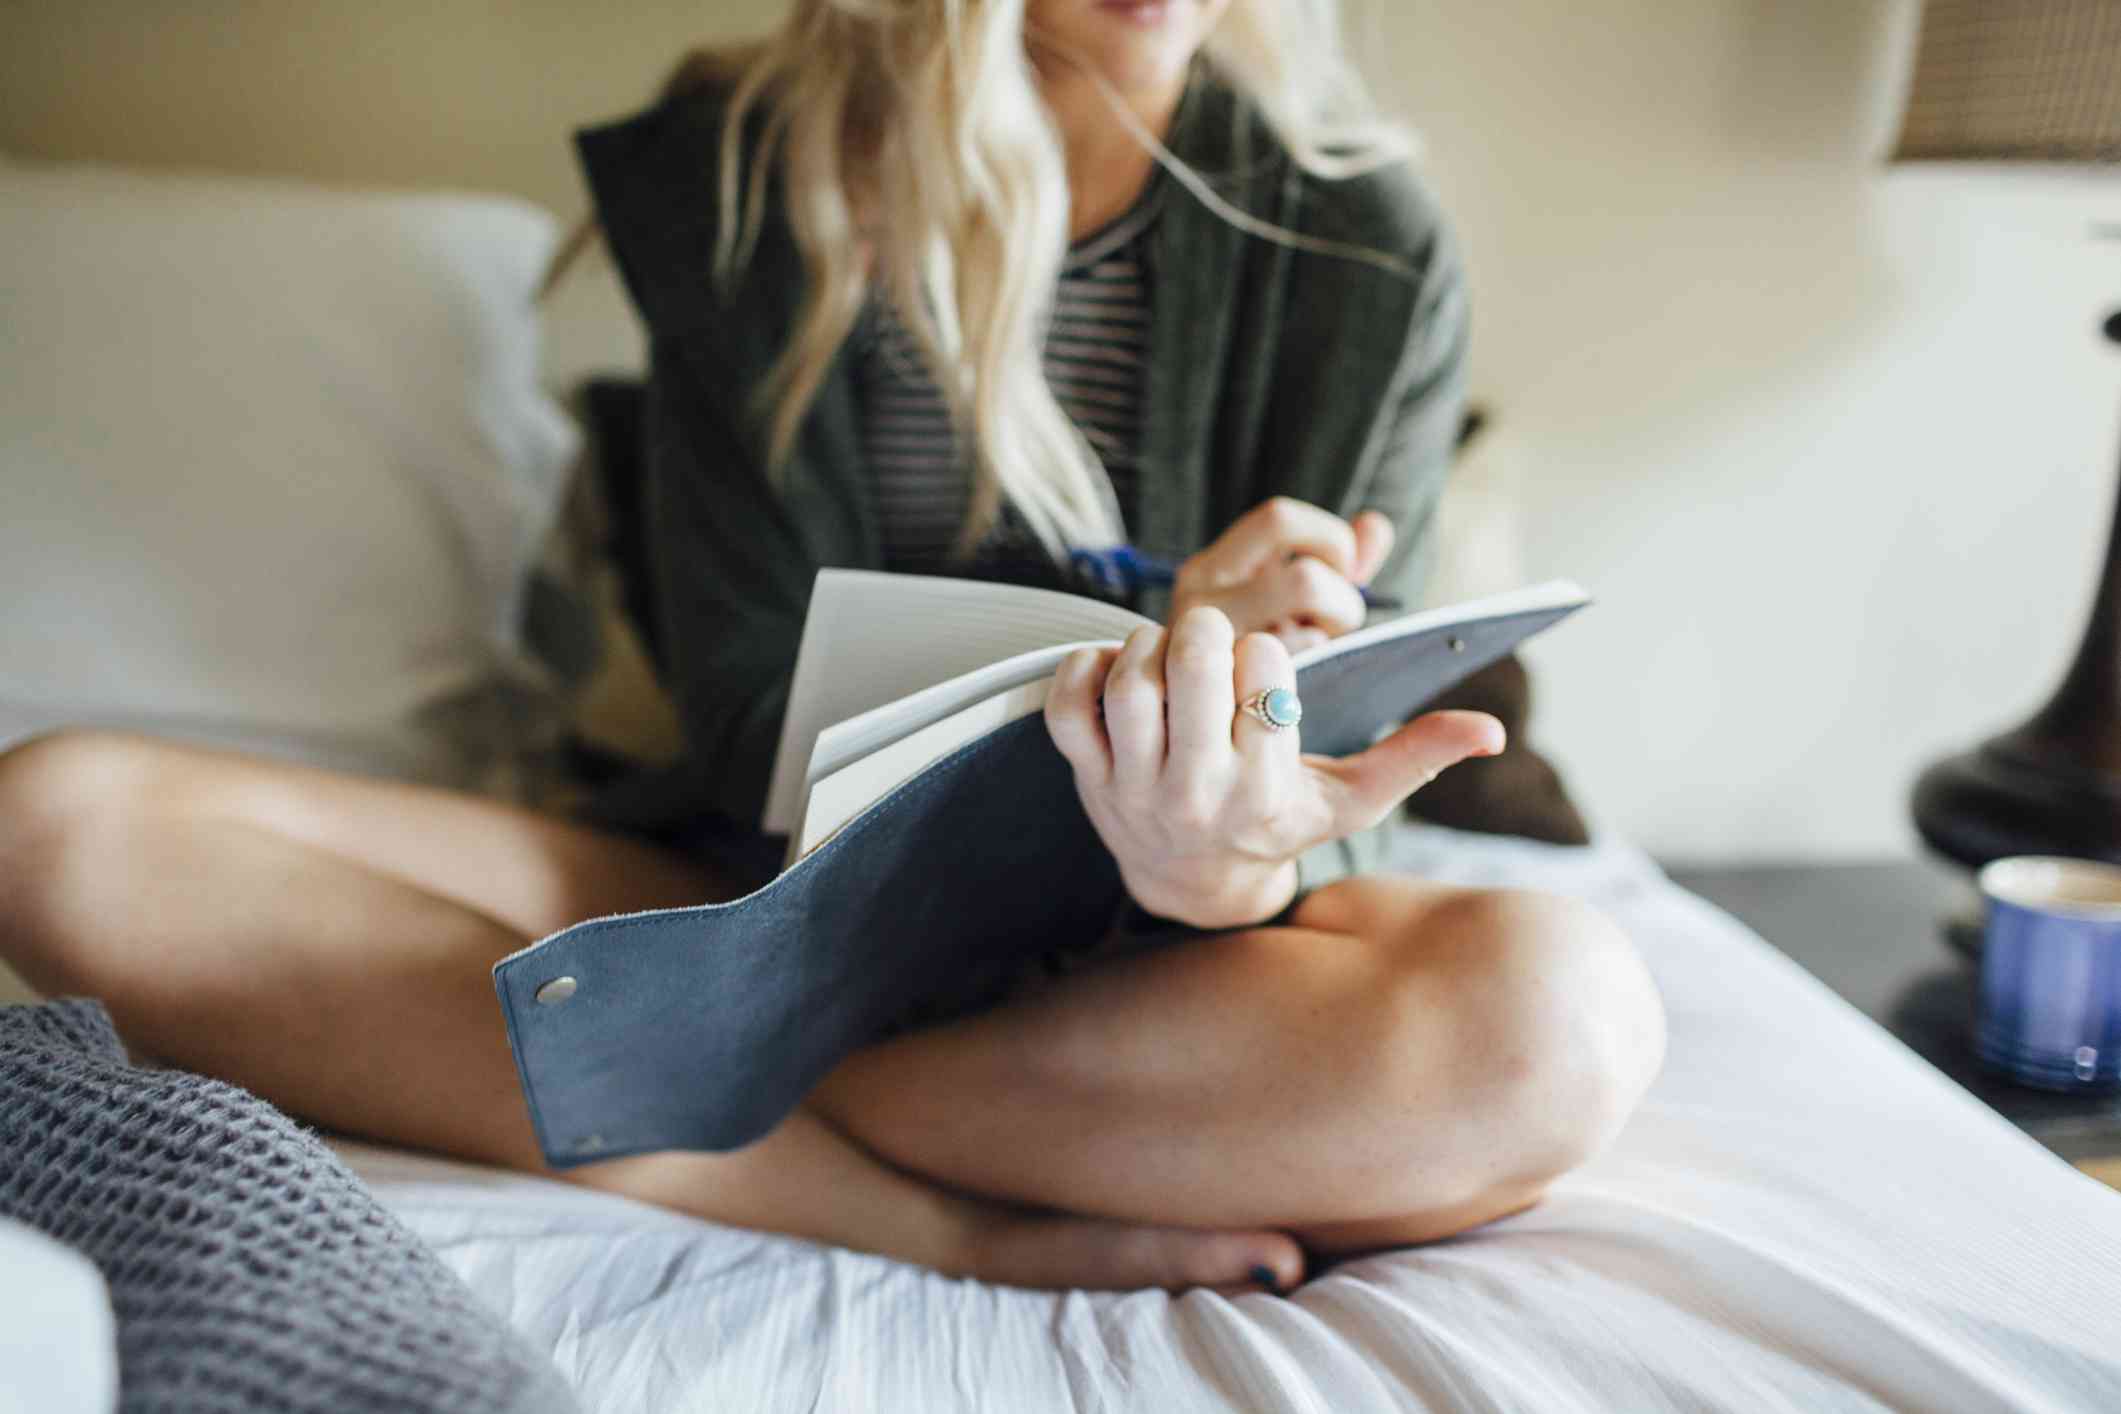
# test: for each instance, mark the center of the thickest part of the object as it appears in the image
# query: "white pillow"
(274, 463)
(58, 1338)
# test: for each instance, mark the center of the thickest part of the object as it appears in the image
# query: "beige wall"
(1833, 444)
(471, 93)
(460, 93)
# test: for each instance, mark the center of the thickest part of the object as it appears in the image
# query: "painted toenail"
(1264, 1275)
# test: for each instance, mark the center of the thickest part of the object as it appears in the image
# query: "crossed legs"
(1404, 1062)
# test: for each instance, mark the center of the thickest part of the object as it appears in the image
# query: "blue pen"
(1124, 571)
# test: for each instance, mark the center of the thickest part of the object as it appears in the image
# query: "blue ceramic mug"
(2051, 973)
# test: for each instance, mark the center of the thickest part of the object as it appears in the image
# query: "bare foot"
(808, 1180)
(1029, 1247)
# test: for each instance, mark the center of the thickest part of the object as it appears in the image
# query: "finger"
(1274, 530)
(1198, 697)
(1325, 598)
(1072, 717)
(1373, 782)
(1305, 592)
(1262, 663)
(1134, 708)
(1373, 541)
(1300, 638)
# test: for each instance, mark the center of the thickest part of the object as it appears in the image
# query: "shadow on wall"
(1823, 78)
(1680, 228)
(1742, 222)
(1660, 162)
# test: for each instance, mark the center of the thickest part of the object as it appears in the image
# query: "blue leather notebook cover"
(700, 1028)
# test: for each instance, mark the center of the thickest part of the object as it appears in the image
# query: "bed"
(326, 405)
(1802, 1216)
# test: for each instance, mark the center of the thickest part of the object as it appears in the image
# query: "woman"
(847, 259)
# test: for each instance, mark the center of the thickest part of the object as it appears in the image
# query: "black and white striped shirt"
(1094, 359)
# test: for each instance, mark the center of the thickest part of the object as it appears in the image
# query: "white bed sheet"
(1803, 1216)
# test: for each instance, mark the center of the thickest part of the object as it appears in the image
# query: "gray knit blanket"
(249, 1269)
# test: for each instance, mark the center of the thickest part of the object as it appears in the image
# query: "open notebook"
(896, 669)
(935, 836)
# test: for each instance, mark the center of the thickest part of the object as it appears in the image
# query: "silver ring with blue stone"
(1278, 707)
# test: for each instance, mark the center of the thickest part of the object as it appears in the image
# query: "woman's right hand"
(1204, 807)
(1287, 568)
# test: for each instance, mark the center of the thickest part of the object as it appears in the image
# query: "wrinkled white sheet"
(1802, 1216)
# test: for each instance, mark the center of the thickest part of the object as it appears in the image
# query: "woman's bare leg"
(1405, 1062)
(320, 940)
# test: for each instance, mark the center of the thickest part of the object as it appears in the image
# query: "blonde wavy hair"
(918, 162)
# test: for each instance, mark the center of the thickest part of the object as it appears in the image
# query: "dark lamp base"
(2001, 799)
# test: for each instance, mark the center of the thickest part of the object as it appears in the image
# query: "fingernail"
(1264, 1275)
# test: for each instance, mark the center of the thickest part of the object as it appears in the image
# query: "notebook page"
(881, 728)
(872, 638)
(854, 787)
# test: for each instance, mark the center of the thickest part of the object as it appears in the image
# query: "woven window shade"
(2015, 80)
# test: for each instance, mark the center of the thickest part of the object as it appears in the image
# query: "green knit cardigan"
(1271, 371)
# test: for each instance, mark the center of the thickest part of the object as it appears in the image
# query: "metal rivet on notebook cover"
(1458, 645)
(558, 990)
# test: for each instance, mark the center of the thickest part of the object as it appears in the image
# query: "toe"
(1056, 1251)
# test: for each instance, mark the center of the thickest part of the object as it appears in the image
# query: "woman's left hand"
(1204, 808)
(1288, 568)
